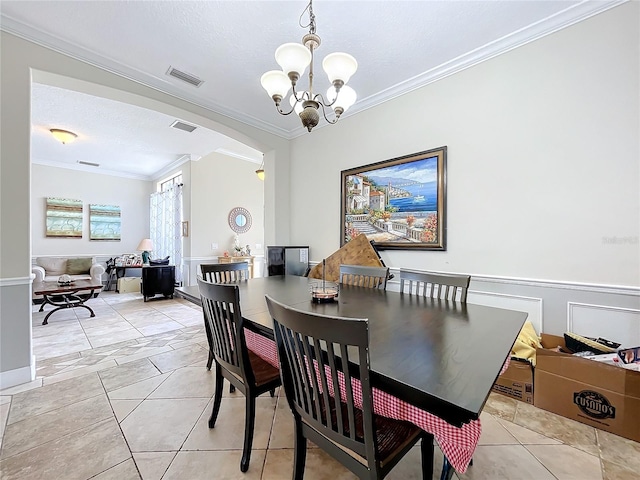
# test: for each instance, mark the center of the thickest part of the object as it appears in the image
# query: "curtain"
(166, 226)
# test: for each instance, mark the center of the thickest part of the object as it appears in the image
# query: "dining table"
(432, 362)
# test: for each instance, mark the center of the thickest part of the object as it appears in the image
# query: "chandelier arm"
(282, 112)
(324, 113)
(320, 99)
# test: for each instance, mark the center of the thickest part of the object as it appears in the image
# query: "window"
(164, 185)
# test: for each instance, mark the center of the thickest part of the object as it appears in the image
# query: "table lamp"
(145, 246)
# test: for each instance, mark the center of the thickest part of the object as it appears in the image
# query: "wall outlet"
(214, 246)
(258, 246)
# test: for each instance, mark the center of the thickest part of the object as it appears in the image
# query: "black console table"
(158, 280)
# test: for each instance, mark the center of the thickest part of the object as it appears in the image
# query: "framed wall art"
(63, 218)
(398, 203)
(104, 222)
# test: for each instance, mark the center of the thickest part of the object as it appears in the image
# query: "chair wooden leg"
(217, 399)
(426, 449)
(272, 392)
(249, 422)
(210, 360)
(299, 452)
(447, 470)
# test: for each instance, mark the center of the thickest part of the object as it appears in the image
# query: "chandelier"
(294, 59)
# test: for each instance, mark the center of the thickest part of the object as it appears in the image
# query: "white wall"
(543, 159)
(131, 195)
(218, 184)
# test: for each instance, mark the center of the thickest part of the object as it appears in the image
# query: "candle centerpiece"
(326, 291)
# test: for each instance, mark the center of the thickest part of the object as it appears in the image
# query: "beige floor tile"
(318, 466)
(143, 352)
(37, 383)
(78, 372)
(122, 408)
(187, 382)
(110, 338)
(4, 399)
(614, 471)
(567, 463)
(127, 374)
(505, 462)
(124, 471)
(179, 358)
(153, 465)
(500, 406)
(60, 330)
(51, 397)
(95, 330)
(4, 415)
(283, 425)
(619, 450)
(138, 390)
(160, 327)
(112, 317)
(78, 456)
(526, 436)
(226, 465)
(493, 433)
(228, 433)
(46, 347)
(161, 425)
(38, 429)
(560, 428)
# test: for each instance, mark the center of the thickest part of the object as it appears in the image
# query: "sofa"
(49, 269)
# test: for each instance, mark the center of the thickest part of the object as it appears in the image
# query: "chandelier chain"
(312, 18)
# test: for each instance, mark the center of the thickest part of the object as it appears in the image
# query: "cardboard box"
(594, 393)
(128, 284)
(517, 381)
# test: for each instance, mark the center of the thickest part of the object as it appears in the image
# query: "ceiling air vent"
(185, 77)
(91, 164)
(183, 126)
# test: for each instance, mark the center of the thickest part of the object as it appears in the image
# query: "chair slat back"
(319, 356)
(361, 276)
(221, 309)
(435, 285)
(225, 272)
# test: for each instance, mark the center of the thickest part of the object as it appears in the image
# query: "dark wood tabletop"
(50, 288)
(440, 356)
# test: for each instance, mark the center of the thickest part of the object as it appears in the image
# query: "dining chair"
(225, 272)
(325, 370)
(245, 370)
(442, 287)
(222, 273)
(435, 285)
(361, 276)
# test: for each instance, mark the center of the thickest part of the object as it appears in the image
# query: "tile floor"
(126, 395)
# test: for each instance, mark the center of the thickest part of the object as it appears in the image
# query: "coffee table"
(65, 296)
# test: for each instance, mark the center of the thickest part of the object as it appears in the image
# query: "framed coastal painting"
(104, 222)
(63, 218)
(398, 203)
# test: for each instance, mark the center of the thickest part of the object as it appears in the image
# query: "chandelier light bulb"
(297, 106)
(293, 58)
(339, 66)
(346, 97)
(276, 83)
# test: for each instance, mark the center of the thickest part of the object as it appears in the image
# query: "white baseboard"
(11, 378)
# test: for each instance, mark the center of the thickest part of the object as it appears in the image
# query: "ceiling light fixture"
(63, 136)
(260, 171)
(294, 58)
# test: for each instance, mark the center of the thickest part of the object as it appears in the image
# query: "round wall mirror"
(240, 220)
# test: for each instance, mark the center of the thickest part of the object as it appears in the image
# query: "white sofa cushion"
(52, 266)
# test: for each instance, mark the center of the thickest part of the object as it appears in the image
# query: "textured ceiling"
(399, 45)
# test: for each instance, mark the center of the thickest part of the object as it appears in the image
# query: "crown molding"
(558, 21)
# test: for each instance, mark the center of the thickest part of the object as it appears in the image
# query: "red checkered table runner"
(456, 443)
